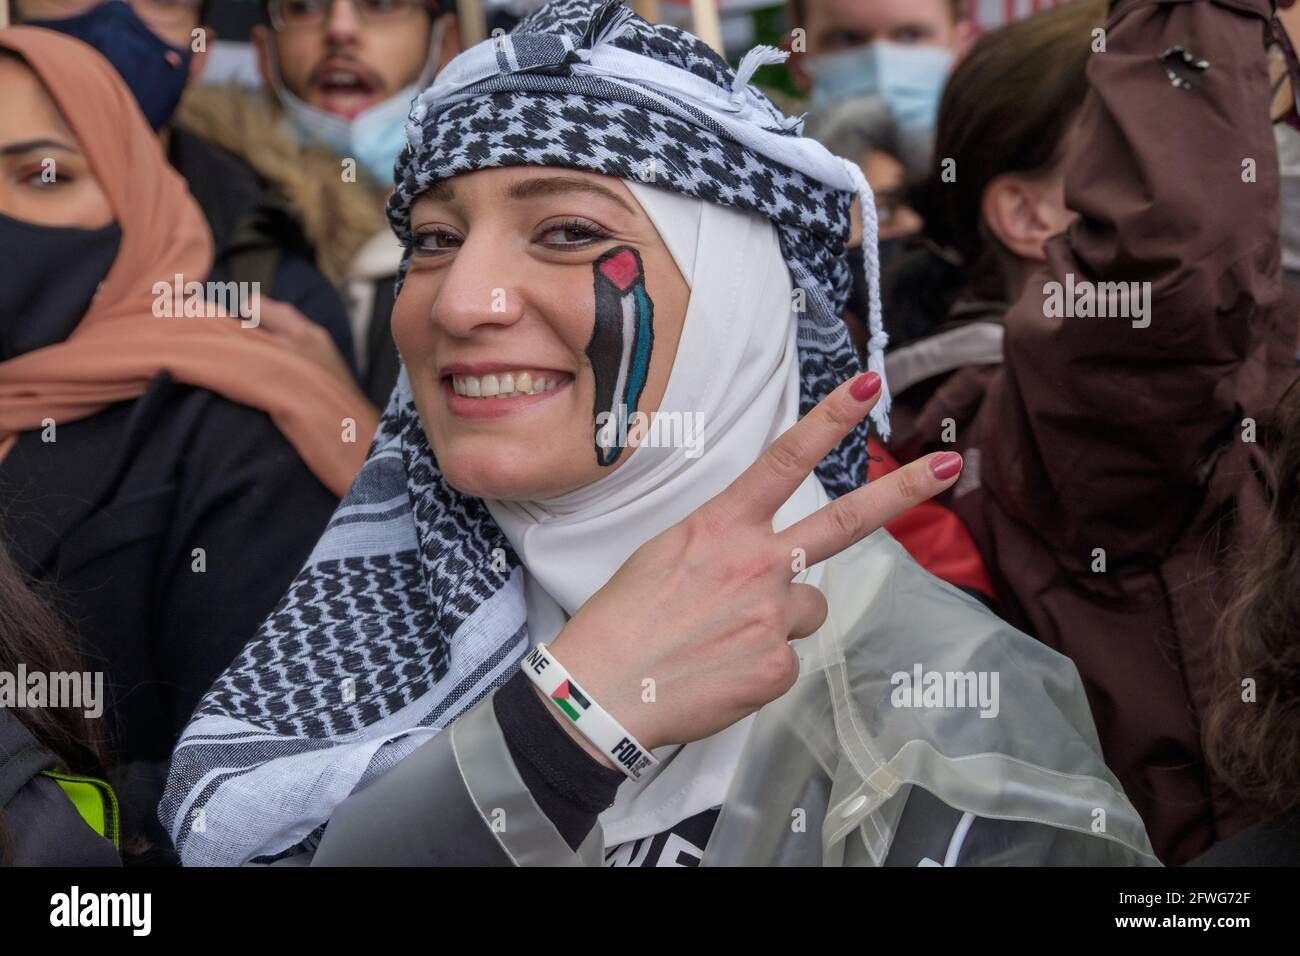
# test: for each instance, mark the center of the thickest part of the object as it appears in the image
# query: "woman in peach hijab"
(164, 462)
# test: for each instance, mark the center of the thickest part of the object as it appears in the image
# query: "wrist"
(586, 716)
(574, 734)
(600, 674)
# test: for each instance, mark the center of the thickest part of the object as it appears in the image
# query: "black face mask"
(48, 277)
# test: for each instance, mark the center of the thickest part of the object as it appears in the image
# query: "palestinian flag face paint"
(570, 700)
(620, 346)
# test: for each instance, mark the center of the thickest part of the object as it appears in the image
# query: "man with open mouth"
(338, 78)
(343, 73)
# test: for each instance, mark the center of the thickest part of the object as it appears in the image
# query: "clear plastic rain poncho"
(1034, 760)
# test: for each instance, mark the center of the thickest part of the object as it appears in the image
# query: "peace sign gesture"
(707, 608)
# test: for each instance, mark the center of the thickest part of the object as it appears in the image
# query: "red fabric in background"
(933, 535)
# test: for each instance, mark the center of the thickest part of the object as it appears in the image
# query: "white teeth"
(500, 386)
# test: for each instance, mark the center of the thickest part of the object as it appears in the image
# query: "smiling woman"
(519, 650)
(502, 283)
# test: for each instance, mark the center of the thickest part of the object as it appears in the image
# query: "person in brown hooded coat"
(1116, 456)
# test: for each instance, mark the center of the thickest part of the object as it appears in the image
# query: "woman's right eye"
(433, 242)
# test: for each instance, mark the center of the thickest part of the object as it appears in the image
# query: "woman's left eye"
(571, 234)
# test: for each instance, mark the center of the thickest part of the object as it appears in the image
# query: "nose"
(344, 22)
(475, 295)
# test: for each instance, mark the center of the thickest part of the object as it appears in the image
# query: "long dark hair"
(1006, 109)
(1255, 746)
(32, 634)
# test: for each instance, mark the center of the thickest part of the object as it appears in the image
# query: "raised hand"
(706, 610)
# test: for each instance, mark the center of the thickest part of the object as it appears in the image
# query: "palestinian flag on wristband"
(569, 699)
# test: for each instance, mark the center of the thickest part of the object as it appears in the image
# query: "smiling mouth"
(499, 385)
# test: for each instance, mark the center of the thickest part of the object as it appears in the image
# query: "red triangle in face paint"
(620, 269)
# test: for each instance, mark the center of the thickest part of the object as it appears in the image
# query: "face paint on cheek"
(620, 346)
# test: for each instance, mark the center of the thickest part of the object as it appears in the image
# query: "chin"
(506, 471)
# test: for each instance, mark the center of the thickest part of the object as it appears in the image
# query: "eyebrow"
(14, 149)
(558, 185)
(538, 187)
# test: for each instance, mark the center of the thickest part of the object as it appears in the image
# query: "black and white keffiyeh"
(411, 607)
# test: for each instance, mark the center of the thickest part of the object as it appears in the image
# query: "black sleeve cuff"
(570, 786)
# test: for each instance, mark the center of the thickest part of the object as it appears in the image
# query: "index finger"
(848, 519)
(769, 482)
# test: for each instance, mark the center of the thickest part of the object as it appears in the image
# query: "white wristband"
(592, 720)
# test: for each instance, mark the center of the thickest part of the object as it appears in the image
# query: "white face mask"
(375, 136)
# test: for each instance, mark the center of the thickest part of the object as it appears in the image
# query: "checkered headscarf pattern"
(541, 114)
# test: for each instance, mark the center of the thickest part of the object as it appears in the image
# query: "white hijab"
(737, 364)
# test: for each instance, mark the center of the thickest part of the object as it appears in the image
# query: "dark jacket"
(255, 237)
(1108, 484)
(39, 825)
(168, 527)
(1274, 842)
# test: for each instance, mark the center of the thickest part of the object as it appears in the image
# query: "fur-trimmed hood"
(338, 217)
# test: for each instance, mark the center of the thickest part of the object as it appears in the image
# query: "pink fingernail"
(946, 465)
(865, 386)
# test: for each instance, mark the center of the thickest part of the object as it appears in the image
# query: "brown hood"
(338, 217)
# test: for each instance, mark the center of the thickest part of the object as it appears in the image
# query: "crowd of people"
(385, 565)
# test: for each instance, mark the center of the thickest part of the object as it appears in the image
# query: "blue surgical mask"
(908, 77)
(136, 52)
(374, 137)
